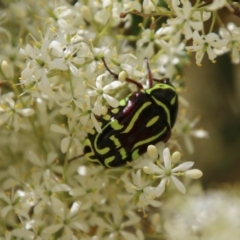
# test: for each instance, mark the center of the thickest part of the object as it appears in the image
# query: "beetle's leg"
(74, 158)
(150, 78)
(139, 86)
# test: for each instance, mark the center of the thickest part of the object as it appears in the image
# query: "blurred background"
(213, 91)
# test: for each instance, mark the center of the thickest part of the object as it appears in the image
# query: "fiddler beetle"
(142, 118)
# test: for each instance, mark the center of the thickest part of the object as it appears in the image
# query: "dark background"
(213, 91)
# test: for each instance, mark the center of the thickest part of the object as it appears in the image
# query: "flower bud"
(104, 110)
(7, 69)
(18, 9)
(152, 152)
(176, 156)
(147, 170)
(85, 11)
(122, 76)
(194, 173)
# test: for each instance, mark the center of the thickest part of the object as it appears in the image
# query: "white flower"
(11, 111)
(140, 190)
(68, 19)
(206, 43)
(67, 98)
(12, 203)
(69, 219)
(21, 233)
(168, 173)
(35, 229)
(115, 220)
(49, 187)
(172, 54)
(88, 115)
(71, 138)
(117, 9)
(186, 19)
(42, 164)
(94, 55)
(211, 215)
(37, 64)
(148, 39)
(217, 4)
(186, 129)
(232, 34)
(88, 190)
(103, 93)
(149, 5)
(67, 57)
(102, 16)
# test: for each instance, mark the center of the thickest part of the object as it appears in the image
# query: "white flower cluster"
(142, 189)
(211, 215)
(55, 88)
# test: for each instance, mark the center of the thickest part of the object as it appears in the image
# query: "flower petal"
(166, 158)
(65, 144)
(58, 129)
(161, 187)
(178, 184)
(111, 86)
(154, 168)
(183, 167)
(111, 101)
(25, 112)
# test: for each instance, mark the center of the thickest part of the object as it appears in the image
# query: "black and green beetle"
(144, 117)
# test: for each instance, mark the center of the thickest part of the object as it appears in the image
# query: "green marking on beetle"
(159, 103)
(173, 100)
(103, 150)
(109, 160)
(107, 117)
(135, 154)
(136, 116)
(115, 124)
(152, 121)
(122, 102)
(123, 153)
(94, 160)
(149, 140)
(157, 87)
(92, 131)
(115, 110)
(115, 141)
(100, 151)
(87, 142)
(90, 154)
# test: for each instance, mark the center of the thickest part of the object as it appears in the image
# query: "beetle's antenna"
(139, 85)
(106, 66)
(150, 78)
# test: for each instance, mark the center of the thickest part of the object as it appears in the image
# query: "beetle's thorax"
(165, 96)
